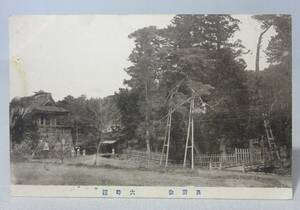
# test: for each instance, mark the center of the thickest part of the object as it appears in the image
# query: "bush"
(21, 151)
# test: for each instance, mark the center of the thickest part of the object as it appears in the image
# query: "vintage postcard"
(151, 106)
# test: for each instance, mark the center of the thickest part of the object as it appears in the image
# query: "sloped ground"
(81, 171)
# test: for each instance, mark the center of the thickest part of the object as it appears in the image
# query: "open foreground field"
(84, 173)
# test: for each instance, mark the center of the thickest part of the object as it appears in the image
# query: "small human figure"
(73, 152)
(203, 108)
(46, 150)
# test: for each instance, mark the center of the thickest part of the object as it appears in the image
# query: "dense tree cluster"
(201, 49)
(90, 118)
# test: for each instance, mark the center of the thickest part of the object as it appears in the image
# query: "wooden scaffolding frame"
(166, 143)
(190, 133)
(271, 141)
(190, 129)
(167, 137)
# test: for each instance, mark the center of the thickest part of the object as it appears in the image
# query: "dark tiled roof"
(40, 102)
(50, 109)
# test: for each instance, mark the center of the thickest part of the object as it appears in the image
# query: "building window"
(47, 121)
(53, 121)
(42, 120)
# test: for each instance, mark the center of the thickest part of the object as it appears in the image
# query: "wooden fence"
(142, 158)
(239, 157)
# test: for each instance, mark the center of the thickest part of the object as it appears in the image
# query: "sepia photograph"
(149, 102)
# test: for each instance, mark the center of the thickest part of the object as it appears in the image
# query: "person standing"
(46, 149)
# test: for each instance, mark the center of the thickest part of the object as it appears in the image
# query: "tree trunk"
(258, 49)
(99, 126)
(218, 34)
(98, 148)
(76, 134)
(147, 137)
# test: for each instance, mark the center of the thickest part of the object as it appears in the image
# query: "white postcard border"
(189, 192)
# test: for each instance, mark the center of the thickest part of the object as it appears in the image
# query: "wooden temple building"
(44, 124)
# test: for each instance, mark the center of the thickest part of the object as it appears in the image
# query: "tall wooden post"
(169, 136)
(192, 143)
(187, 136)
(190, 130)
(164, 143)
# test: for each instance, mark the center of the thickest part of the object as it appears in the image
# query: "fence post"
(251, 151)
(243, 168)
(248, 156)
(243, 155)
(236, 155)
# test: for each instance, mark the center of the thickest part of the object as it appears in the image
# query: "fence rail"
(239, 157)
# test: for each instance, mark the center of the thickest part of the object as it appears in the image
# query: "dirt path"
(65, 174)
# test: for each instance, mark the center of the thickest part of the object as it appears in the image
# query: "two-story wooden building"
(45, 122)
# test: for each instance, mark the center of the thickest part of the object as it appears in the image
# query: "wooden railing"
(142, 156)
(239, 157)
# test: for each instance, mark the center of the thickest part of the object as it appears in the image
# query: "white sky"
(86, 54)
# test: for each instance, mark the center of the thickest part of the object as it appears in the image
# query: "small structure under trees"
(38, 124)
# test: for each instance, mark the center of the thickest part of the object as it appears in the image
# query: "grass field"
(117, 172)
